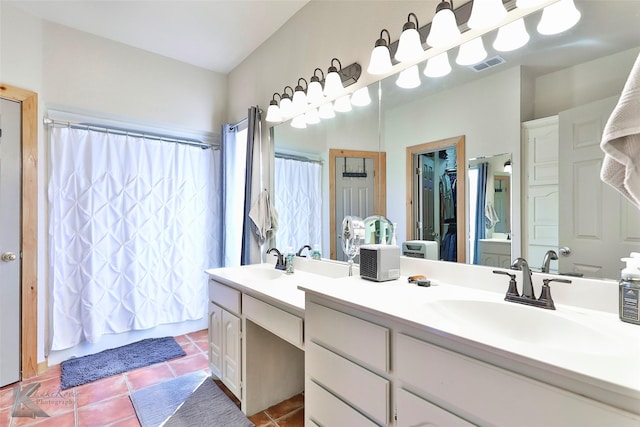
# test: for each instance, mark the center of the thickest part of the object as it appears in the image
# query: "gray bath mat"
(82, 370)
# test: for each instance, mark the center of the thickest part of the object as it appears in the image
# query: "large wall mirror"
(546, 80)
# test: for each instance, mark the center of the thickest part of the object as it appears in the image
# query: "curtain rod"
(129, 132)
(297, 158)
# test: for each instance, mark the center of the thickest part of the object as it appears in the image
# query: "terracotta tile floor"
(106, 403)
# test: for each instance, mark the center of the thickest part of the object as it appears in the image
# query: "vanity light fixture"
(438, 66)
(361, 97)
(333, 83)
(486, 13)
(325, 111)
(286, 106)
(409, 78)
(380, 62)
(312, 117)
(299, 122)
(314, 90)
(273, 112)
(342, 104)
(471, 52)
(409, 46)
(444, 28)
(511, 36)
(558, 17)
(507, 166)
(299, 100)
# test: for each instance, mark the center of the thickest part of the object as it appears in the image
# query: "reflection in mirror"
(379, 230)
(489, 205)
(546, 78)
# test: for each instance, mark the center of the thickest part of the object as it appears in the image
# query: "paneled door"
(597, 224)
(10, 202)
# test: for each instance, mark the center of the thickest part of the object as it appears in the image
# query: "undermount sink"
(261, 272)
(499, 320)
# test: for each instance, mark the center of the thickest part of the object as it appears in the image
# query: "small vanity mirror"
(489, 181)
(378, 229)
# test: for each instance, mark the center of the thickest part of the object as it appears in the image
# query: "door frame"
(380, 188)
(29, 228)
(457, 142)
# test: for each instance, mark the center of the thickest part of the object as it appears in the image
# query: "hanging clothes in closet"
(448, 215)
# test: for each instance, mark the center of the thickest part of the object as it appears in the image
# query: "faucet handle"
(513, 286)
(545, 294)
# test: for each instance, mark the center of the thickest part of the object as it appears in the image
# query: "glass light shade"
(312, 117)
(444, 29)
(558, 17)
(486, 13)
(511, 36)
(326, 111)
(361, 97)
(299, 122)
(507, 166)
(380, 62)
(333, 85)
(273, 113)
(314, 93)
(471, 52)
(409, 78)
(286, 108)
(526, 4)
(438, 66)
(299, 102)
(409, 46)
(342, 104)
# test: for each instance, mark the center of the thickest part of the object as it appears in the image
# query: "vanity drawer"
(361, 340)
(360, 387)
(325, 410)
(285, 325)
(486, 394)
(225, 296)
(415, 411)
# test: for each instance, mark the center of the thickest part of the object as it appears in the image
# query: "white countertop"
(612, 365)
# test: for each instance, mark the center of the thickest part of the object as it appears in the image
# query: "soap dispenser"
(290, 256)
(629, 292)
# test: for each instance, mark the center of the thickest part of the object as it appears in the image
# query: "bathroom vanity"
(455, 353)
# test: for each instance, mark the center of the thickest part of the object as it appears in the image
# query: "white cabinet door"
(415, 411)
(215, 339)
(231, 356)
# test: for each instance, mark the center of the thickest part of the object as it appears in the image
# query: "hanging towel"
(621, 141)
(264, 216)
(491, 216)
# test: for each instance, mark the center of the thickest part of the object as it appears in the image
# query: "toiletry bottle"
(289, 260)
(629, 292)
(315, 253)
(394, 239)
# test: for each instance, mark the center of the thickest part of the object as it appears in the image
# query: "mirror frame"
(458, 143)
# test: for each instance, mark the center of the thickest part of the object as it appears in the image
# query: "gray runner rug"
(85, 369)
(192, 400)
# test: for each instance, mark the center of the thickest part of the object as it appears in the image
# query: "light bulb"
(444, 29)
(342, 104)
(312, 117)
(526, 4)
(273, 113)
(409, 78)
(286, 108)
(314, 93)
(511, 36)
(299, 101)
(326, 111)
(333, 85)
(471, 52)
(380, 62)
(361, 97)
(438, 66)
(486, 13)
(409, 45)
(558, 17)
(299, 122)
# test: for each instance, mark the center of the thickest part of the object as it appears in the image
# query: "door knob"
(565, 251)
(8, 256)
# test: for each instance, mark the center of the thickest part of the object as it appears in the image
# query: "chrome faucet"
(548, 257)
(528, 297)
(299, 253)
(280, 264)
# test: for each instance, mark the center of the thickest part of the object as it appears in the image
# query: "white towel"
(491, 216)
(621, 141)
(264, 216)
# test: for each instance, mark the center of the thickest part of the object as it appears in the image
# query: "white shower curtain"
(132, 228)
(298, 201)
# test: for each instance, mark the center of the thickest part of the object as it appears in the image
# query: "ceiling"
(213, 34)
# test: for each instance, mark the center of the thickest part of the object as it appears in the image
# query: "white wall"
(77, 71)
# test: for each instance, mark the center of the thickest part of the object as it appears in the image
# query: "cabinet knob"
(8, 256)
